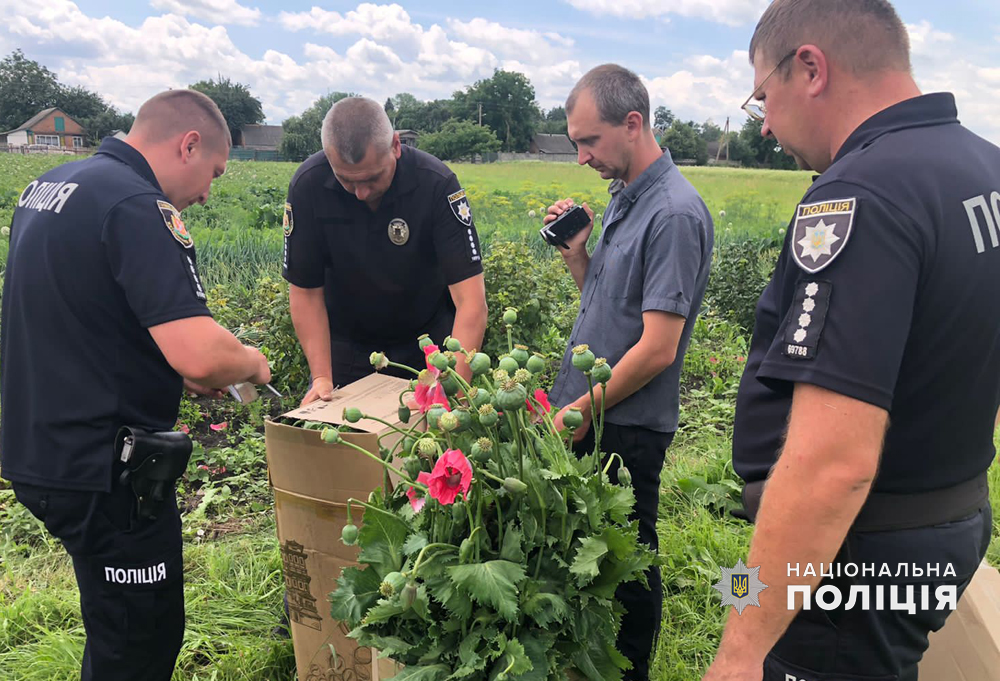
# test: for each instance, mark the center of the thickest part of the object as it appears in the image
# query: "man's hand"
(198, 389)
(322, 389)
(262, 374)
(580, 432)
(578, 242)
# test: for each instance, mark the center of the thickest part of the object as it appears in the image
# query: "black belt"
(884, 511)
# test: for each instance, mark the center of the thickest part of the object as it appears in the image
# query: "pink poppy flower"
(219, 426)
(452, 475)
(713, 360)
(184, 428)
(429, 391)
(417, 501)
(542, 399)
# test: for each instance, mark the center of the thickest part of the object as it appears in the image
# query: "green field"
(234, 582)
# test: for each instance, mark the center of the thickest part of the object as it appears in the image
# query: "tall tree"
(26, 87)
(764, 152)
(234, 100)
(553, 122)
(301, 138)
(684, 142)
(508, 107)
(663, 117)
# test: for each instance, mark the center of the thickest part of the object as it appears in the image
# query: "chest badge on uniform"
(399, 231)
(172, 219)
(460, 207)
(821, 232)
(288, 222)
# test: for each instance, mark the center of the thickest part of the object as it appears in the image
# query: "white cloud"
(515, 43)
(217, 11)
(925, 39)
(709, 87)
(730, 12)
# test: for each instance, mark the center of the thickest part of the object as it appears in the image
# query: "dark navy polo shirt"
(386, 273)
(97, 256)
(887, 291)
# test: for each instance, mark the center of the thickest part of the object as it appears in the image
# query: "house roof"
(553, 144)
(37, 118)
(262, 135)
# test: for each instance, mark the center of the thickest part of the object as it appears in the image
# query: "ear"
(633, 124)
(397, 146)
(815, 69)
(190, 143)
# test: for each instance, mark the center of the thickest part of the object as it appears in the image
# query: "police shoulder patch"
(821, 232)
(459, 203)
(172, 219)
(806, 319)
(288, 221)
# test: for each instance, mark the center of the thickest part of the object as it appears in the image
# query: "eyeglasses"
(759, 111)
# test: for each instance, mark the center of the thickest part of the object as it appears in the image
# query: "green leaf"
(587, 503)
(511, 549)
(392, 646)
(357, 591)
(381, 539)
(493, 583)
(432, 672)
(546, 608)
(514, 661)
(414, 543)
(444, 591)
(586, 565)
(617, 502)
(537, 651)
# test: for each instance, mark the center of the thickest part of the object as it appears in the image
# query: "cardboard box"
(967, 648)
(312, 482)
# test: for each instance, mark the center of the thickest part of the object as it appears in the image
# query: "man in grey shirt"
(640, 293)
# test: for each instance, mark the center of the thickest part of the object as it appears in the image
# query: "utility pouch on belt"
(153, 462)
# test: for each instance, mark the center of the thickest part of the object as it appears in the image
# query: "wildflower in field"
(531, 214)
(722, 213)
(452, 475)
(219, 426)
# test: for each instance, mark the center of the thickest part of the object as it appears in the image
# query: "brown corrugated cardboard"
(967, 648)
(312, 482)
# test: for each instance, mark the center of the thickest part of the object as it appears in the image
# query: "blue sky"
(691, 53)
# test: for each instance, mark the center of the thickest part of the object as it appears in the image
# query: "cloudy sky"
(692, 53)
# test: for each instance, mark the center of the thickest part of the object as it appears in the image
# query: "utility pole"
(480, 114)
(725, 138)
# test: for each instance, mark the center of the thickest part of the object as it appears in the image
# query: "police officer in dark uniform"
(865, 417)
(380, 247)
(104, 324)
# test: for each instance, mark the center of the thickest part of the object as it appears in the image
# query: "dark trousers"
(130, 576)
(643, 451)
(880, 645)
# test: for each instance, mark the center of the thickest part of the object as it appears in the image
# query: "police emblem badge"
(821, 232)
(288, 222)
(172, 219)
(399, 231)
(460, 207)
(740, 586)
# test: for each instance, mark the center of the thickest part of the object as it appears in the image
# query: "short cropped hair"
(861, 36)
(174, 112)
(616, 91)
(353, 125)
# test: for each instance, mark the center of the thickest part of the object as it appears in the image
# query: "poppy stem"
(392, 468)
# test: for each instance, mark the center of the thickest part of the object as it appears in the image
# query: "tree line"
(499, 113)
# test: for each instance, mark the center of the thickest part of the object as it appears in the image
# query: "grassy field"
(234, 583)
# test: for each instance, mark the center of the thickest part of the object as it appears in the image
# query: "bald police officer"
(380, 247)
(104, 324)
(864, 421)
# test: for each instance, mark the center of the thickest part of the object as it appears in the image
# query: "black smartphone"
(560, 230)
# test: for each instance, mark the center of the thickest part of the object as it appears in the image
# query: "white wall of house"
(18, 138)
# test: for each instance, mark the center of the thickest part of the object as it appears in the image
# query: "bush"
(539, 286)
(741, 268)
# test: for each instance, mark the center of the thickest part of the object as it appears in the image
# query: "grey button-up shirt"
(654, 253)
